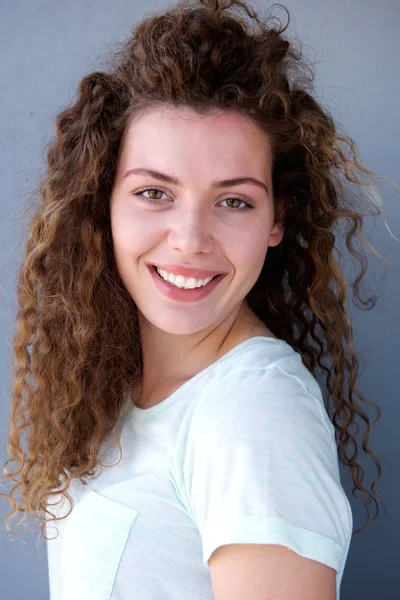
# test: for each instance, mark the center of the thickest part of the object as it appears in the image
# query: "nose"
(190, 231)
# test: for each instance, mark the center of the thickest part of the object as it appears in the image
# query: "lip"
(197, 273)
(174, 293)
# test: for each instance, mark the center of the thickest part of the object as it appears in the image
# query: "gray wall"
(45, 49)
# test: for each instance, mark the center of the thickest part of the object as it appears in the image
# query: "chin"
(178, 325)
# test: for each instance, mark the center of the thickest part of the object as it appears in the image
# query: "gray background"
(46, 47)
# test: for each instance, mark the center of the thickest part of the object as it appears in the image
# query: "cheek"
(132, 232)
(248, 249)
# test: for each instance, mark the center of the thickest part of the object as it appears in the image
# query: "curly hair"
(76, 346)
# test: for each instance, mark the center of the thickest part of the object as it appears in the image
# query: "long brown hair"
(76, 345)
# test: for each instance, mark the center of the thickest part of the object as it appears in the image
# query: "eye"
(149, 189)
(237, 208)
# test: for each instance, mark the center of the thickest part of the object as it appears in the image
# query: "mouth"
(218, 275)
(175, 293)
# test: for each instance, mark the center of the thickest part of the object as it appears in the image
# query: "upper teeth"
(183, 282)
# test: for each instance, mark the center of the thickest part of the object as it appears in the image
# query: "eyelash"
(155, 189)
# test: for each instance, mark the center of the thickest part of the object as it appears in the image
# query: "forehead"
(183, 132)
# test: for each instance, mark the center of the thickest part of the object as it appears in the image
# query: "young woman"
(179, 298)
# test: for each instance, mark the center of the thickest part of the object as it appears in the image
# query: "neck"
(171, 358)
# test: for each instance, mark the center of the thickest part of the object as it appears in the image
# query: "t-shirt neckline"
(139, 414)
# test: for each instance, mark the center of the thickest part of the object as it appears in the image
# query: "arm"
(268, 572)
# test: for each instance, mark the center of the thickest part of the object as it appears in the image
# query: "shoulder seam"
(306, 389)
(320, 408)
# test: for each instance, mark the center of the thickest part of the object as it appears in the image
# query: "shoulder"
(264, 391)
(264, 359)
(258, 374)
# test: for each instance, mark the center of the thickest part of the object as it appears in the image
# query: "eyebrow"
(214, 184)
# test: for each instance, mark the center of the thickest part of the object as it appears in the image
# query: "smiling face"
(190, 222)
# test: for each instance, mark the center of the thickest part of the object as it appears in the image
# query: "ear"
(278, 228)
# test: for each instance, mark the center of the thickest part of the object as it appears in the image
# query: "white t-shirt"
(243, 452)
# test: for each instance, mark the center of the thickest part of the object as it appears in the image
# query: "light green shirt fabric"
(244, 452)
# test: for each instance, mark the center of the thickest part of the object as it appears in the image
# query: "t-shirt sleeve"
(262, 467)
